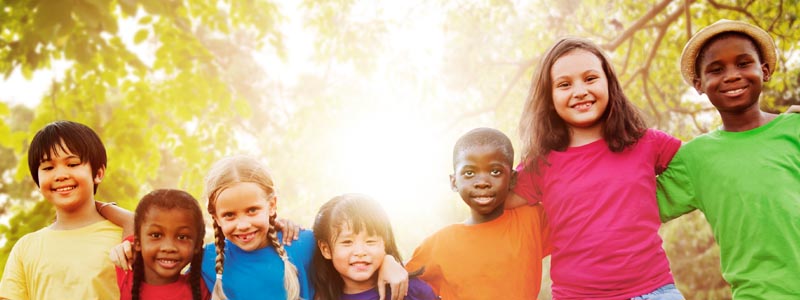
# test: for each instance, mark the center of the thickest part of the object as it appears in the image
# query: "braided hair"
(224, 174)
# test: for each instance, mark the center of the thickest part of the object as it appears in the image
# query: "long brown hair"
(541, 128)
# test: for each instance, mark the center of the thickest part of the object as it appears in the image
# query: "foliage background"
(340, 96)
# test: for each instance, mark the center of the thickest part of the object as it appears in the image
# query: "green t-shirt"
(748, 186)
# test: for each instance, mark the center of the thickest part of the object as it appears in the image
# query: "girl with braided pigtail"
(247, 248)
(168, 235)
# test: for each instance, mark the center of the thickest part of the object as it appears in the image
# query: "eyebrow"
(50, 158)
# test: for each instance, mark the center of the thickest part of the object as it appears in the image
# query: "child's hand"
(392, 273)
(291, 230)
(122, 255)
(793, 109)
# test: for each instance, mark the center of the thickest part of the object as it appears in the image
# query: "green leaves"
(140, 36)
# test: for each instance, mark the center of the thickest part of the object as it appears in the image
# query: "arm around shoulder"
(117, 215)
(675, 190)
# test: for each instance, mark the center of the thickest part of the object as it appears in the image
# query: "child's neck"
(746, 120)
(580, 136)
(478, 218)
(84, 215)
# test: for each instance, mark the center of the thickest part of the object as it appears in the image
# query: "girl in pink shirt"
(168, 235)
(589, 158)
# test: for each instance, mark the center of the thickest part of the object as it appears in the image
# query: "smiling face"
(242, 211)
(731, 74)
(580, 89)
(483, 178)
(168, 241)
(67, 182)
(356, 256)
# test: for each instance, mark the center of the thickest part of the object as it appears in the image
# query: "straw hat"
(690, 51)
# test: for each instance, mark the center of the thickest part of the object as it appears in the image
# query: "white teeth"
(64, 189)
(736, 91)
(582, 105)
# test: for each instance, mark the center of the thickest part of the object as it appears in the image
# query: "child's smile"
(580, 88)
(167, 242)
(242, 211)
(482, 178)
(356, 257)
(731, 74)
(66, 181)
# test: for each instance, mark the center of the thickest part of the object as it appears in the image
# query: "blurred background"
(338, 96)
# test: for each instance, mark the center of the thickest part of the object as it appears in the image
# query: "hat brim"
(689, 55)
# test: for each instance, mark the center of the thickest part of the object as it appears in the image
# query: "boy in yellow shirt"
(68, 259)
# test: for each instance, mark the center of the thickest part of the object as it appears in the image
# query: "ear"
(453, 183)
(513, 180)
(766, 71)
(101, 172)
(137, 245)
(272, 201)
(325, 249)
(698, 85)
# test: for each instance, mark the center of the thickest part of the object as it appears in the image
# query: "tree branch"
(655, 10)
(499, 101)
(739, 9)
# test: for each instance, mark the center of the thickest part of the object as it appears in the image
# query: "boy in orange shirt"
(495, 253)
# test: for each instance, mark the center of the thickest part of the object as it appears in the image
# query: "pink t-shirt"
(603, 217)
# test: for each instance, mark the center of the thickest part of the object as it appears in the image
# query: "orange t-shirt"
(500, 259)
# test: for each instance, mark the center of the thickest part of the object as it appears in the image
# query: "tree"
(174, 107)
(185, 87)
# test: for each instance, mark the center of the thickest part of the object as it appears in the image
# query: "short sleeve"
(420, 259)
(675, 190)
(14, 282)
(526, 186)
(666, 147)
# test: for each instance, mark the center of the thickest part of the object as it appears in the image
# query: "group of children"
(592, 188)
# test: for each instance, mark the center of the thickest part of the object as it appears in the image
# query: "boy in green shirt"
(745, 176)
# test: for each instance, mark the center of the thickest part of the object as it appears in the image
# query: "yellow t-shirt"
(63, 264)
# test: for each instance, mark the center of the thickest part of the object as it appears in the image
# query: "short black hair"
(722, 36)
(485, 136)
(61, 136)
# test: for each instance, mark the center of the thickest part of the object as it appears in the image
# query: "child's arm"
(117, 215)
(291, 230)
(122, 254)
(513, 201)
(393, 273)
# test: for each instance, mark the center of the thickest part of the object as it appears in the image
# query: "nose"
(579, 90)
(482, 183)
(61, 173)
(359, 249)
(732, 74)
(168, 246)
(242, 223)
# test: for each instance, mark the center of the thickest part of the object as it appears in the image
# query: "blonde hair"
(224, 174)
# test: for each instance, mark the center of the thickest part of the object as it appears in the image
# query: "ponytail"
(290, 281)
(219, 241)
